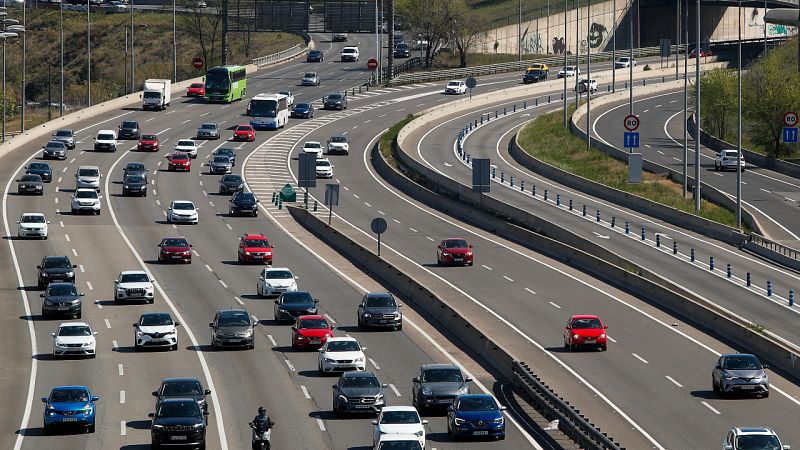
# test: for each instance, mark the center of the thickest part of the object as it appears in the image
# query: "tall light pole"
(6, 36)
(133, 53)
(61, 25)
(89, 55)
(677, 34)
(577, 48)
(377, 41)
(24, 56)
(697, 116)
(566, 26)
(686, 100)
(174, 47)
(738, 122)
(588, 74)
(519, 33)
(614, 46)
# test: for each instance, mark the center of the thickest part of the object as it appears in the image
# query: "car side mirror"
(83, 294)
(320, 350)
(316, 300)
(151, 415)
(205, 413)
(53, 334)
(605, 327)
(439, 246)
(276, 302)
(294, 328)
(158, 245)
(207, 392)
(471, 246)
(44, 399)
(135, 325)
(41, 295)
(424, 421)
(38, 267)
(177, 324)
(333, 327)
(765, 366)
(155, 393)
(95, 398)
(415, 380)
(729, 447)
(450, 408)
(374, 422)
(399, 305)
(467, 380)
(74, 266)
(211, 324)
(363, 348)
(333, 386)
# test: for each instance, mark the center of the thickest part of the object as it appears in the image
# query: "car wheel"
(90, 428)
(360, 322)
(399, 327)
(150, 301)
(78, 315)
(714, 386)
(46, 430)
(604, 347)
(766, 394)
(450, 432)
(137, 347)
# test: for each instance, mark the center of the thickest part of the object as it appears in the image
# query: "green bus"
(226, 83)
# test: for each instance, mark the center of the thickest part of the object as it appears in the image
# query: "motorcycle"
(261, 437)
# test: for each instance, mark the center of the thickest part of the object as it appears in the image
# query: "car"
(32, 225)
(74, 338)
(303, 111)
(569, 71)
(254, 248)
(182, 211)
(358, 392)
(243, 203)
(703, 53)
(401, 50)
(476, 415)
(182, 388)
(66, 137)
(586, 83)
(585, 331)
(341, 353)
(455, 87)
(196, 90)
(148, 143)
(339, 37)
(129, 129)
(315, 56)
(454, 251)
(173, 249)
(310, 79)
(178, 420)
(219, 164)
(291, 305)
(275, 281)
(69, 406)
(135, 168)
(134, 185)
(338, 144)
(230, 183)
(200, 4)
(179, 161)
(54, 150)
(61, 298)
(227, 152)
(30, 184)
(311, 331)
(752, 438)
(85, 200)
(289, 97)
(232, 328)
(726, 159)
(105, 140)
(397, 442)
(187, 146)
(401, 420)
(398, 37)
(42, 169)
(55, 269)
(313, 147)
(740, 373)
(438, 385)
(134, 285)
(88, 177)
(624, 62)
(208, 131)
(539, 66)
(155, 329)
(534, 76)
(115, 6)
(324, 168)
(244, 132)
(335, 101)
(379, 309)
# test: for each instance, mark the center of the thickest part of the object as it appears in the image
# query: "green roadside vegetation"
(389, 136)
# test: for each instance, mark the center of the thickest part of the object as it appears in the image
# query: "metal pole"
(89, 55)
(126, 61)
(686, 101)
(614, 46)
(61, 21)
(133, 54)
(677, 34)
(174, 48)
(519, 32)
(5, 102)
(566, 26)
(24, 24)
(765, 28)
(697, 117)
(630, 60)
(577, 48)
(588, 75)
(377, 40)
(739, 122)
(224, 33)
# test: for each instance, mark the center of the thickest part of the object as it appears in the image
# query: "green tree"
(432, 20)
(204, 28)
(718, 101)
(467, 27)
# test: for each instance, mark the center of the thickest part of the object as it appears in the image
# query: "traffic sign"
(471, 82)
(372, 64)
(632, 140)
(790, 119)
(378, 226)
(631, 123)
(789, 135)
(198, 62)
(481, 182)
(307, 170)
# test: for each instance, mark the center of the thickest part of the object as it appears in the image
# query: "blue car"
(69, 406)
(303, 111)
(476, 415)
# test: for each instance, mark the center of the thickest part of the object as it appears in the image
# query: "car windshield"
(400, 445)
(149, 137)
(227, 151)
(477, 404)
(343, 346)
(105, 137)
(63, 133)
(181, 388)
(323, 163)
(33, 219)
(302, 106)
(314, 52)
(135, 167)
(196, 85)
(30, 178)
(279, 275)
(586, 323)
(38, 166)
(69, 395)
(208, 126)
(381, 302)
(179, 409)
(134, 278)
(392, 417)
(360, 382)
(57, 263)
(154, 320)
(183, 206)
(309, 75)
(730, 153)
(339, 139)
(175, 243)
(60, 289)
(221, 160)
(218, 81)
(741, 363)
(231, 179)
(312, 145)
(256, 243)
(441, 376)
(349, 50)
(297, 298)
(86, 194)
(455, 243)
(313, 324)
(244, 128)
(152, 95)
(185, 144)
(245, 197)
(56, 145)
(233, 319)
(74, 330)
(130, 124)
(453, 83)
(88, 172)
(134, 179)
(180, 157)
(758, 442)
(335, 97)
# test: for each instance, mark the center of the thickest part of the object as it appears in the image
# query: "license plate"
(69, 419)
(315, 342)
(62, 308)
(747, 386)
(178, 438)
(362, 406)
(480, 433)
(383, 321)
(175, 256)
(590, 341)
(444, 401)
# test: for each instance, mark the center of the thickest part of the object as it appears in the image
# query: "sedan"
(303, 111)
(61, 298)
(703, 53)
(230, 183)
(438, 385)
(148, 143)
(727, 159)
(41, 169)
(275, 281)
(232, 328)
(311, 332)
(324, 168)
(254, 248)
(310, 79)
(228, 152)
(74, 338)
(585, 331)
(315, 56)
(456, 87)
(341, 353)
(187, 146)
(291, 305)
(208, 131)
(182, 211)
(196, 90)
(740, 373)
(454, 251)
(155, 329)
(476, 415)
(30, 184)
(32, 225)
(219, 164)
(338, 144)
(54, 150)
(72, 406)
(179, 161)
(174, 249)
(243, 203)
(534, 76)
(358, 392)
(244, 132)
(399, 420)
(334, 101)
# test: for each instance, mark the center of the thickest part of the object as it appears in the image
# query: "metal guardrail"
(570, 421)
(280, 56)
(776, 247)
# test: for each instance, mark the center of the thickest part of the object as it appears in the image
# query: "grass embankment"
(389, 136)
(500, 13)
(546, 139)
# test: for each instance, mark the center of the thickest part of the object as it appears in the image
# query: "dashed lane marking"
(305, 392)
(639, 358)
(673, 381)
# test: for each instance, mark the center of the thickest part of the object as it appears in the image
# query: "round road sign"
(197, 62)
(378, 225)
(372, 64)
(790, 119)
(471, 82)
(631, 122)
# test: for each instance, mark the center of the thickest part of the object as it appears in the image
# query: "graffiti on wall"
(755, 19)
(584, 47)
(532, 43)
(777, 29)
(559, 45)
(597, 34)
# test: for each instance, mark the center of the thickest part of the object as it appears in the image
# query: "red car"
(703, 53)
(179, 161)
(311, 331)
(148, 142)
(244, 132)
(196, 90)
(585, 331)
(454, 251)
(175, 249)
(255, 248)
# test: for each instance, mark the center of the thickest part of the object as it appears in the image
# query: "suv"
(291, 305)
(134, 184)
(85, 199)
(338, 144)
(726, 159)
(133, 285)
(54, 150)
(182, 388)
(350, 54)
(358, 392)
(534, 76)
(438, 385)
(624, 62)
(42, 169)
(55, 268)
(740, 373)
(106, 140)
(378, 309)
(455, 87)
(243, 203)
(88, 177)
(66, 136)
(178, 420)
(155, 329)
(208, 131)
(747, 438)
(315, 56)
(129, 129)
(339, 37)
(401, 50)
(61, 298)
(135, 168)
(69, 406)
(585, 84)
(335, 101)
(232, 328)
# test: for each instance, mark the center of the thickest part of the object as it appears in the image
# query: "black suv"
(315, 56)
(135, 168)
(243, 203)
(61, 298)
(55, 268)
(182, 388)
(291, 305)
(178, 420)
(437, 385)
(41, 169)
(358, 392)
(401, 50)
(230, 183)
(378, 309)
(335, 101)
(232, 328)
(129, 129)
(134, 185)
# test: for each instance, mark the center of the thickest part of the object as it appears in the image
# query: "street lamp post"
(685, 99)
(24, 56)
(174, 48)
(133, 53)
(566, 26)
(697, 116)
(588, 75)
(89, 56)
(61, 25)
(6, 36)
(738, 122)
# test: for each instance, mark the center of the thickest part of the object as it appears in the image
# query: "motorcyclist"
(262, 422)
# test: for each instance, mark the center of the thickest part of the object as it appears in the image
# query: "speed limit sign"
(790, 119)
(631, 122)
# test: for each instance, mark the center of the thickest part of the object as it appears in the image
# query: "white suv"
(74, 338)
(106, 140)
(350, 54)
(88, 177)
(726, 159)
(313, 147)
(32, 225)
(85, 199)
(455, 87)
(187, 146)
(752, 438)
(133, 285)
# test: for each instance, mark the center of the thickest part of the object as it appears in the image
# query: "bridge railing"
(280, 56)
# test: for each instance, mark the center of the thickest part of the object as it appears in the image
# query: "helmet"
(262, 410)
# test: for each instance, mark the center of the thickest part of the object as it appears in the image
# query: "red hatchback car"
(585, 331)
(196, 90)
(179, 161)
(244, 132)
(311, 332)
(149, 143)
(454, 251)
(175, 249)
(703, 53)
(255, 248)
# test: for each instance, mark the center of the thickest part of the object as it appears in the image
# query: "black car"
(129, 129)
(55, 268)
(303, 111)
(230, 183)
(379, 309)
(135, 168)
(335, 101)
(243, 203)
(178, 420)
(61, 298)
(438, 385)
(401, 50)
(54, 150)
(224, 151)
(358, 392)
(534, 76)
(291, 305)
(30, 184)
(182, 388)
(41, 169)
(134, 185)
(232, 328)
(315, 56)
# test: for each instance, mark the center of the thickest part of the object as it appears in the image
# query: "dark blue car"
(476, 416)
(69, 406)
(303, 111)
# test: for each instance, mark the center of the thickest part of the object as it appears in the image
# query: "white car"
(455, 87)
(86, 199)
(313, 147)
(106, 140)
(289, 97)
(133, 285)
(275, 281)
(74, 338)
(404, 441)
(745, 438)
(350, 54)
(182, 211)
(582, 85)
(324, 168)
(188, 146)
(726, 159)
(341, 353)
(155, 329)
(32, 225)
(88, 177)
(624, 62)
(569, 71)
(338, 144)
(399, 420)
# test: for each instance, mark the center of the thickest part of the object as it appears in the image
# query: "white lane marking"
(89, 285)
(108, 324)
(372, 361)
(209, 268)
(673, 381)
(507, 278)
(394, 389)
(330, 319)
(186, 121)
(158, 202)
(714, 410)
(321, 424)
(639, 358)
(55, 200)
(229, 226)
(66, 236)
(611, 339)
(346, 188)
(174, 226)
(532, 292)
(305, 392)
(272, 340)
(80, 266)
(114, 345)
(71, 161)
(676, 159)
(64, 170)
(396, 221)
(762, 189)
(238, 300)
(59, 180)
(429, 238)
(557, 306)
(381, 213)
(486, 267)
(660, 152)
(658, 106)
(289, 365)
(412, 230)
(122, 396)
(194, 252)
(647, 145)
(645, 111)
(356, 196)
(223, 284)
(121, 371)
(367, 205)
(122, 428)
(61, 223)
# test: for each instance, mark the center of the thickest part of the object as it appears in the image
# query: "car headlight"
(728, 376)
(575, 336)
(249, 332)
(87, 410)
(463, 390)
(158, 427)
(139, 333)
(397, 315)
(75, 302)
(342, 398)
(359, 359)
(426, 390)
(329, 360)
(60, 344)
(419, 433)
(198, 426)
(247, 253)
(602, 335)
(378, 397)
(120, 291)
(300, 337)
(367, 315)
(45, 274)
(171, 331)
(88, 344)
(458, 421)
(70, 274)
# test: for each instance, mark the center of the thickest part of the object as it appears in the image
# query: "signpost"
(307, 173)
(631, 137)
(631, 140)
(789, 135)
(198, 62)
(378, 226)
(471, 82)
(331, 198)
(481, 181)
(372, 64)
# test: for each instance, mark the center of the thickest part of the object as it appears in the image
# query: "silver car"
(208, 131)
(310, 79)
(740, 373)
(219, 164)
(66, 136)
(88, 177)
(54, 150)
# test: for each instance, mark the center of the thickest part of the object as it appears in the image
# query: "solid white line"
(711, 408)
(507, 278)
(121, 372)
(673, 381)
(394, 389)
(557, 306)
(272, 340)
(639, 358)
(321, 424)
(223, 284)
(108, 324)
(305, 392)
(330, 319)
(372, 361)
(122, 428)
(122, 396)
(289, 364)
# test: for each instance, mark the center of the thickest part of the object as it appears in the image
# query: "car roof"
(180, 380)
(178, 400)
(232, 311)
(133, 272)
(244, 125)
(149, 136)
(183, 201)
(439, 366)
(342, 339)
(476, 396)
(454, 239)
(454, 81)
(254, 236)
(61, 388)
(271, 269)
(398, 408)
(74, 324)
(174, 237)
(357, 374)
(753, 430)
(33, 214)
(584, 316)
(311, 142)
(85, 190)
(154, 313)
(89, 167)
(105, 131)
(312, 317)
(738, 355)
(378, 294)
(56, 257)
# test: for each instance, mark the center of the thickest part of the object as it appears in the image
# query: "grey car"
(358, 392)
(740, 373)
(232, 328)
(134, 185)
(310, 79)
(61, 298)
(54, 150)
(135, 168)
(65, 136)
(379, 309)
(208, 131)
(219, 164)
(182, 388)
(30, 184)
(335, 101)
(437, 385)
(230, 183)
(129, 129)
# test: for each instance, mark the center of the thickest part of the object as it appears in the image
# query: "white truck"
(157, 94)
